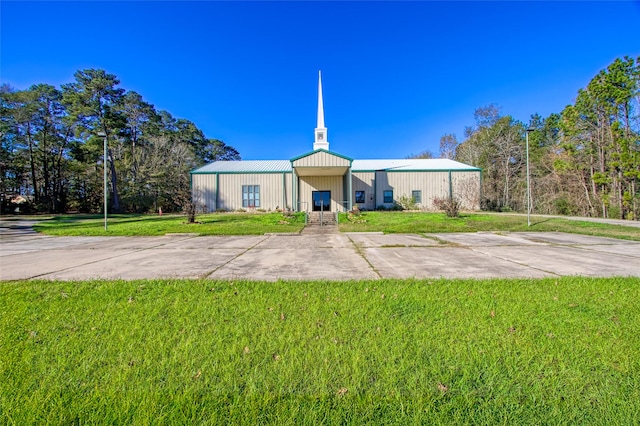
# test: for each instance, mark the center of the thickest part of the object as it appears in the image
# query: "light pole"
(104, 167)
(530, 129)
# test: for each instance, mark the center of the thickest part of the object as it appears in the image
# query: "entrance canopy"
(321, 163)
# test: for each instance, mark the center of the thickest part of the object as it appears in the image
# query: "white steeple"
(320, 141)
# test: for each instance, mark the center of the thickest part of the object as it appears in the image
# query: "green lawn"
(141, 225)
(553, 351)
(261, 223)
(410, 222)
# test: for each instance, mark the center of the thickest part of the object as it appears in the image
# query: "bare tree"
(448, 146)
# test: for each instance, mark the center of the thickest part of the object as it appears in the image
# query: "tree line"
(584, 160)
(51, 154)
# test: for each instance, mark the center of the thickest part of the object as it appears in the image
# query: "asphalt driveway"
(25, 254)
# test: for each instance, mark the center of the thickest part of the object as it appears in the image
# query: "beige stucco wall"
(203, 190)
(275, 190)
(465, 186)
(308, 184)
(363, 181)
(432, 184)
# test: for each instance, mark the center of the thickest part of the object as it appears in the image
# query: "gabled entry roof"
(321, 153)
(321, 163)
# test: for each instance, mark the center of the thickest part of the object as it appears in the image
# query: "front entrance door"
(321, 201)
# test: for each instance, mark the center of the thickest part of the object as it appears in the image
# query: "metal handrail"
(344, 205)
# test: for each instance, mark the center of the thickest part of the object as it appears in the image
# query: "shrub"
(406, 203)
(564, 206)
(614, 212)
(450, 205)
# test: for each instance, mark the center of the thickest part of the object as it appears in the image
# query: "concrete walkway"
(330, 256)
(537, 218)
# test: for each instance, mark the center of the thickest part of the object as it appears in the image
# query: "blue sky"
(396, 76)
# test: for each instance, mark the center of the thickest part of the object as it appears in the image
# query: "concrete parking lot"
(25, 254)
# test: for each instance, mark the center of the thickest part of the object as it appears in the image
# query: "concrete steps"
(321, 218)
(321, 223)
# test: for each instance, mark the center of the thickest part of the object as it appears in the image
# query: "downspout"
(217, 190)
(284, 191)
(375, 190)
(294, 188)
(349, 183)
(450, 187)
(298, 189)
(340, 204)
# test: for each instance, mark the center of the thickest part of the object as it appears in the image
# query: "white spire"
(321, 131)
(320, 105)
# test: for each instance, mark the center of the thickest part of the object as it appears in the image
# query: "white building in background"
(322, 180)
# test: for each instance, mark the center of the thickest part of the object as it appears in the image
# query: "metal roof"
(410, 164)
(321, 150)
(280, 166)
(247, 166)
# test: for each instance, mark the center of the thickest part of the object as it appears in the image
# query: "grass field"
(261, 223)
(143, 225)
(553, 351)
(409, 222)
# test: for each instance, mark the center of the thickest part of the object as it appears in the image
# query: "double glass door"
(321, 201)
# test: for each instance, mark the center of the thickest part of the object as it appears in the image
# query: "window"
(388, 197)
(416, 196)
(250, 195)
(359, 197)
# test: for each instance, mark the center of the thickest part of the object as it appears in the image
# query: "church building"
(323, 180)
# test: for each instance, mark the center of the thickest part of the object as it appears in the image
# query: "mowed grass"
(552, 351)
(261, 223)
(151, 225)
(419, 222)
